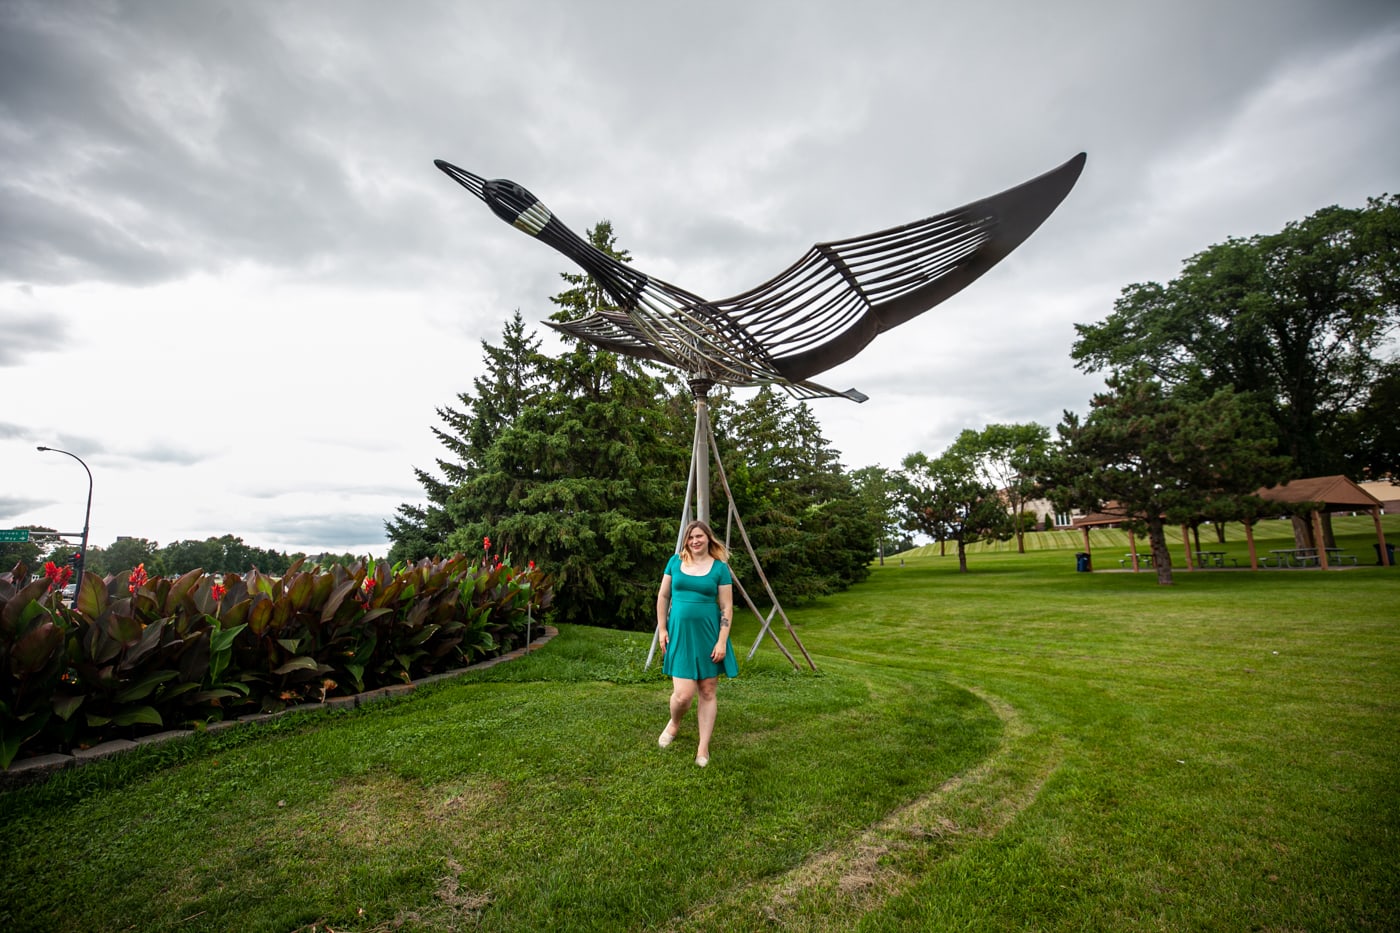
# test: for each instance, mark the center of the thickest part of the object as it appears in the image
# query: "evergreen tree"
(586, 480)
(515, 374)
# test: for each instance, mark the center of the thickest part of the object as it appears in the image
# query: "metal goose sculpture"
(818, 313)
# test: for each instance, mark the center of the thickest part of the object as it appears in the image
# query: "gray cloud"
(337, 533)
(29, 334)
(309, 484)
(166, 453)
(12, 505)
(268, 167)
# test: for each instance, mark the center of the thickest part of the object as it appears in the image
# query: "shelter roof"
(1334, 492)
(1384, 490)
(1113, 514)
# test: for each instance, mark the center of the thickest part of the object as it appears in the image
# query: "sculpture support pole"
(703, 446)
(690, 485)
(680, 534)
(758, 569)
(700, 455)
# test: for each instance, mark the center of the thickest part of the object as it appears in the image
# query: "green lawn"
(1019, 747)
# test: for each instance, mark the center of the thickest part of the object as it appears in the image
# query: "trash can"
(1081, 562)
(1389, 552)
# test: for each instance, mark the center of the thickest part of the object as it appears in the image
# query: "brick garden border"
(24, 771)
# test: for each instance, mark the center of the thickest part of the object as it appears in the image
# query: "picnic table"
(1308, 557)
(1336, 557)
(1294, 557)
(1210, 558)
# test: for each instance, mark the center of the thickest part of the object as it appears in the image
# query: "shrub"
(134, 654)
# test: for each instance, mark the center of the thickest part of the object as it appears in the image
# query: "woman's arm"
(663, 611)
(725, 598)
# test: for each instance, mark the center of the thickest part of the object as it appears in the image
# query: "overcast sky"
(233, 283)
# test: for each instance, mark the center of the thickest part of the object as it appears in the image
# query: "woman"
(694, 610)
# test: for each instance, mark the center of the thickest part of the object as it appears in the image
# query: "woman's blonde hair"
(717, 551)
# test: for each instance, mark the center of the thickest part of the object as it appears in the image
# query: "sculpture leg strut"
(698, 487)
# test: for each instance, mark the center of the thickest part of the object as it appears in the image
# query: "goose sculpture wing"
(819, 312)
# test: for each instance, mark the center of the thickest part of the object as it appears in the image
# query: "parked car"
(69, 592)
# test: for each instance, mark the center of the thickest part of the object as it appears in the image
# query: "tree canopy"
(947, 498)
(1007, 457)
(1299, 323)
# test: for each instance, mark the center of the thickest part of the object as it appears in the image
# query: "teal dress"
(693, 624)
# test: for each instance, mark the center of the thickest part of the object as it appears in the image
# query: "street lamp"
(82, 553)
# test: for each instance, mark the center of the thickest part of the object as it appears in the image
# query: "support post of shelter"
(1186, 546)
(1132, 549)
(1384, 554)
(1249, 537)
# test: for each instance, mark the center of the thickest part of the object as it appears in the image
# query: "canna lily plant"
(136, 652)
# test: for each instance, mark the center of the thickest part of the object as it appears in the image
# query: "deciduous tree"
(1299, 323)
(584, 476)
(877, 490)
(948, 499)
(1008, 457)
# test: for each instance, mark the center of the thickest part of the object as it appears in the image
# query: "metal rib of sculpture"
(818, 313)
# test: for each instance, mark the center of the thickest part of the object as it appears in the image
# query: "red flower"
(532, 565)
(138, 577)
(217, 591)
(486, 543)
(58, 576)
(370, 584)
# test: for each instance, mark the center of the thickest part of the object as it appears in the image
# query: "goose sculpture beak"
(473, 183)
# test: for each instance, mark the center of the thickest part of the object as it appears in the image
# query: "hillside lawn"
(1021, 747)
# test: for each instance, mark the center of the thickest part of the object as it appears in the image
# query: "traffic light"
(76, 559)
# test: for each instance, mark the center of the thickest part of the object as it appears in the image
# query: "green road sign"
(13, 535)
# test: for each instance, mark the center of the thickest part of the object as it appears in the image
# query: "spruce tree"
(515, 371)
(586, 481)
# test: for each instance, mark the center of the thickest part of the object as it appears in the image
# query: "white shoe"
(666, 738)
(701, 760)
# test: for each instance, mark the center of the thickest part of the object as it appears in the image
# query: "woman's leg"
(709, 706)
(682, 695)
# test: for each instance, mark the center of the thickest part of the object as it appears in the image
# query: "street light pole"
(87, 519)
